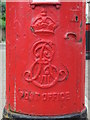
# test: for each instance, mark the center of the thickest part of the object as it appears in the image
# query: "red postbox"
(45, 67)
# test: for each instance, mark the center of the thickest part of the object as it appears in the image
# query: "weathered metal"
(45, 60)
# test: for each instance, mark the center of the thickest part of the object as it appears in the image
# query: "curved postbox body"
(45, 60)
(87, 40)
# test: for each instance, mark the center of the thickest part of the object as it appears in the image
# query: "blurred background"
(2, 21)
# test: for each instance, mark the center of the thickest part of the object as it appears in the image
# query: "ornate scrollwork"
(42, 73)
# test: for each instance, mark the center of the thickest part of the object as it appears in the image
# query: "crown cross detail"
(43, 23)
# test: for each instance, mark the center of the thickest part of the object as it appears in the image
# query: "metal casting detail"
(70, 34)
(43, 24)
(42, 73)
(50, 96)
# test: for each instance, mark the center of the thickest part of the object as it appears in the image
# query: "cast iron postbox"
(45, 67)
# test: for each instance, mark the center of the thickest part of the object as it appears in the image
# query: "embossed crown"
(43, 23)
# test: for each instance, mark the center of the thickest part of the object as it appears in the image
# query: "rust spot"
(9, 107)
(32, 29)
(83, 104)
(81, 24)
(80, 40)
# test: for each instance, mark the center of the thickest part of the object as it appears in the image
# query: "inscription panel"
(50, 96)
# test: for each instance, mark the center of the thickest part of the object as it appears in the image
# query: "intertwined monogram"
(42, 73)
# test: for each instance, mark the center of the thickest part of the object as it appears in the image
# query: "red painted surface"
(88, 27)
(45, 58)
